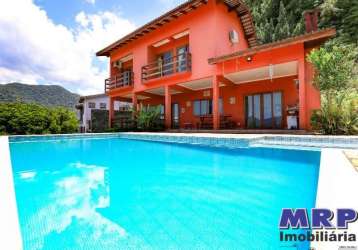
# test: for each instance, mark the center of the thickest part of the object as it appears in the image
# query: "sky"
(55, 41)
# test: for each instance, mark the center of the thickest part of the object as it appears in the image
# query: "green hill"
(48, 95)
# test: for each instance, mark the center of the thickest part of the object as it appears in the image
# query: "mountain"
(48, 95)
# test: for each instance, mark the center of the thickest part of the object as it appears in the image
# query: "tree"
(278, 19)
(335, 66)
(22, 118)
(336, 78)
(343, 15)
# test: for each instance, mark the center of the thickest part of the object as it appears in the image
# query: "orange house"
(202, 64)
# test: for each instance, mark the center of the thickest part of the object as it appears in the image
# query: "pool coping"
(337, 182)
(230, 140)
(10, 236)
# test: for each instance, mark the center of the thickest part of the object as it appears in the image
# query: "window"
(182, 53)
(221, 106)
(165, 63)
(92, 105)
(205, 107)
(162, 112)
(102, 105)
(127, 77)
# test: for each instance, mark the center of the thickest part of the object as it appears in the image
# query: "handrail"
(119, 81)
(175, 64)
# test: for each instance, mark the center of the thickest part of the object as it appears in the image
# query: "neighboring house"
(202, 61)
(92, 102)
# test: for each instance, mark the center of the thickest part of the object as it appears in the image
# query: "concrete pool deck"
(10, 237)
(337, 184)
(337, 188)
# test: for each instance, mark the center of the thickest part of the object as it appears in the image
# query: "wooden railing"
(119, 81)
(160, 68)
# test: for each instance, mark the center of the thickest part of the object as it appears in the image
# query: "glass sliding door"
(165, 62)
(264, 110)
(257, 111)
(175, 115)
(182, 53)
(267, 111)
(277, 109)
(249, 112)
(253, 111)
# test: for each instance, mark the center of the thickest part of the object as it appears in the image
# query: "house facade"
(95, 102)
(202, 63)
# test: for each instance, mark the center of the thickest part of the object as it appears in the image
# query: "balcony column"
(168, 107)
(111, 112)
(216, 96)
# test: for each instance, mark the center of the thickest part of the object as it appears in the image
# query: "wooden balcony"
(161, 68)
(122, 80)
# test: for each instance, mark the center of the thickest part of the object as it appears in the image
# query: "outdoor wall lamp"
(249, 58)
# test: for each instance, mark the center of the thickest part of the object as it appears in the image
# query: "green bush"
(336, 78)
(21, 118)
(338, 117)
(148, 119)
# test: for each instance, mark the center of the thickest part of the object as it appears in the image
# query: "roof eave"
(308, 37)
(188, 5)
(239, 6)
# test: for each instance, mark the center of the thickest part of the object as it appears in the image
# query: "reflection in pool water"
(77, 192)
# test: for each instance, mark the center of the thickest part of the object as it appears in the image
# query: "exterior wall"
(87, 111)
(275, 56)
(308, 96)
(209, 28)
(225, 22)
(285, 85)
(312, 95)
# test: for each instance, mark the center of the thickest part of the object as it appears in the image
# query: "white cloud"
(34, 49)
(91, 1)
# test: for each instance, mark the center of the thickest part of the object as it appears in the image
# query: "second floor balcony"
(166, 66)
(121, 80)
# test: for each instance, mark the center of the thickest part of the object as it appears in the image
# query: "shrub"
(335, 65)
(336, 78)
(149, 119)
(339, 117)
(21, 118)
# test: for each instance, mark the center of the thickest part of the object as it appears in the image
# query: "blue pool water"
(115, 193)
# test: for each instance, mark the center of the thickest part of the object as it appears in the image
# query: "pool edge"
(10, 236)
(337, 179)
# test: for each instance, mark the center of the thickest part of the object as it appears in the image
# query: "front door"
(175, 115)
(264, 110)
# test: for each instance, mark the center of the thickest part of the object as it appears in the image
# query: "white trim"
(161, 43)
(10, 237)
(180, 35)
(126, 58)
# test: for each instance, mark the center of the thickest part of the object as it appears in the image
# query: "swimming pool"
(115, 193)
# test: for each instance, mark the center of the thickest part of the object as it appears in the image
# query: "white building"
(91, 102)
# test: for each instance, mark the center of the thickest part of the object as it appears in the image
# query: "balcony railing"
(119, 81)
(169, 66)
